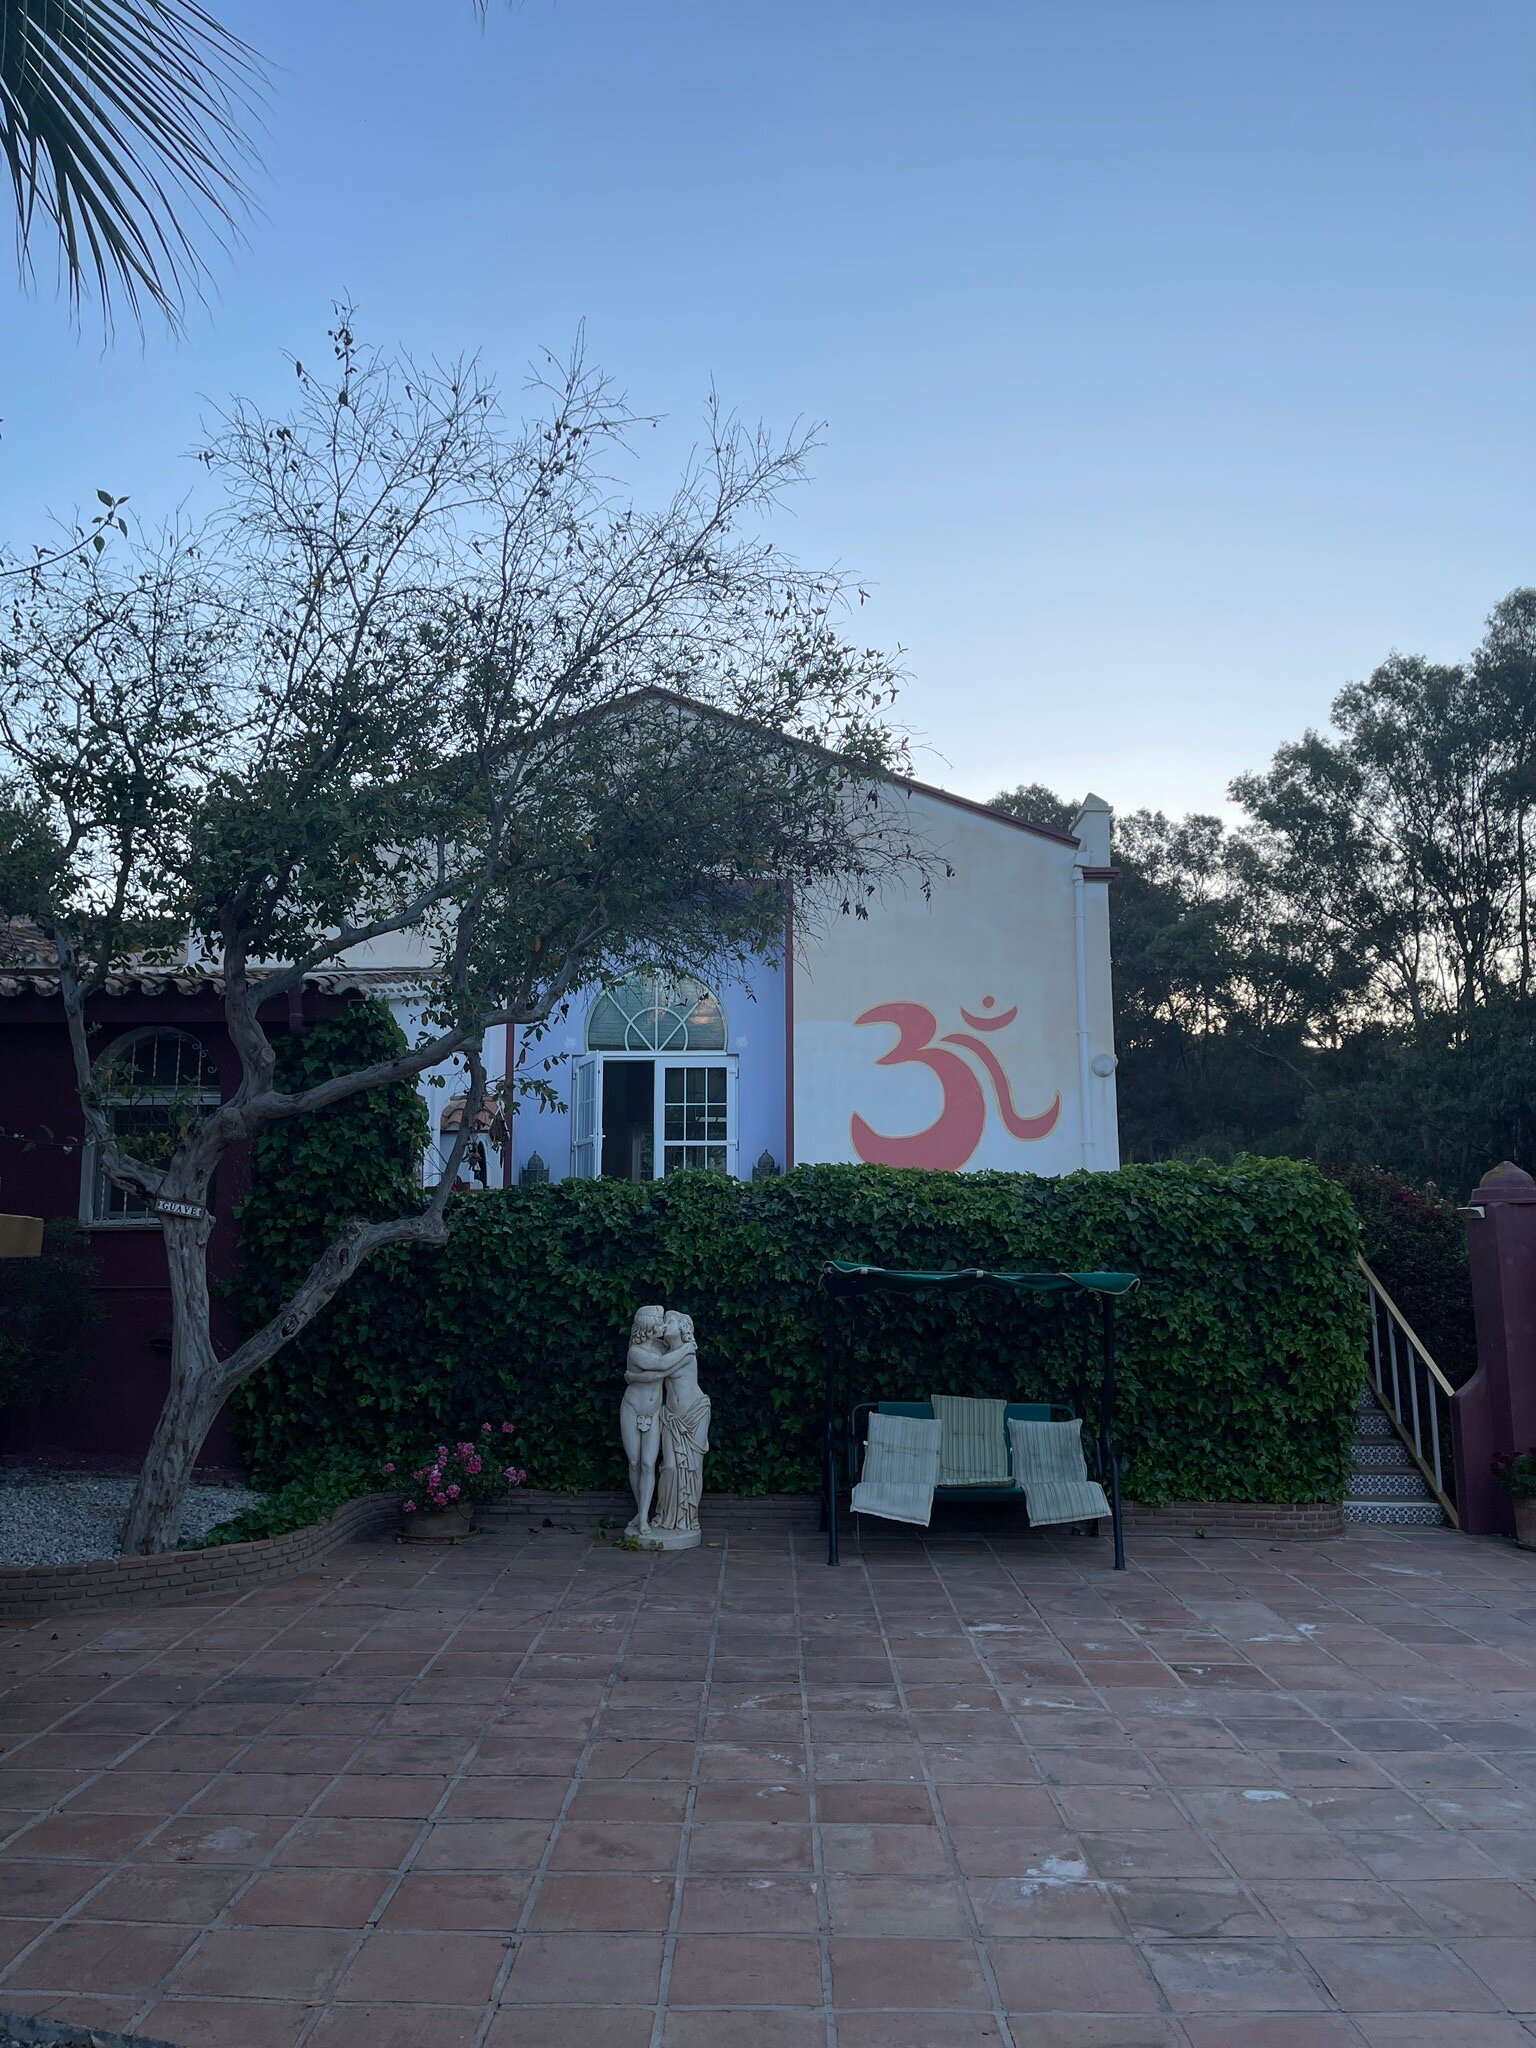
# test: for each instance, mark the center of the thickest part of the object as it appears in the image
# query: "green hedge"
(1241, 1355)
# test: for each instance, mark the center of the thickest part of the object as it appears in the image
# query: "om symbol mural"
(951, 1139)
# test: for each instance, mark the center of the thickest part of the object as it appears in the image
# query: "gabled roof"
(657, 694)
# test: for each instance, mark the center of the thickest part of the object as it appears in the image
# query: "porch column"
(1496, 1410)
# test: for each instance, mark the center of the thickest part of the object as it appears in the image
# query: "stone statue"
(664, 1421)
(645, 1371)
(684, 1440)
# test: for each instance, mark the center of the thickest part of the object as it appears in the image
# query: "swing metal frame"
(842, 1280)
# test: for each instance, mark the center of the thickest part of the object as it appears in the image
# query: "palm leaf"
(123, 125)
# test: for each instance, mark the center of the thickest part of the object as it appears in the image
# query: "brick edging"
(29, 1592)
(1307, 1520)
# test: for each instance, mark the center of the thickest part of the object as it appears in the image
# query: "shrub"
(1241, 1355)
(1413, 1241)
(48, 1313)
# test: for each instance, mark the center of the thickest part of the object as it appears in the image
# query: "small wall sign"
(181, 1209)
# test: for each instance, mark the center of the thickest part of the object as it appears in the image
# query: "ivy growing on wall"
(1241, 1355)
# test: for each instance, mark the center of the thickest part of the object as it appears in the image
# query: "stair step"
(1372, 1428)
(1383, 1457)
(1410, 1485)
(1383, 1513)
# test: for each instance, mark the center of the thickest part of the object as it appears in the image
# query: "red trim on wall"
(789, 1032)
(508, 1108)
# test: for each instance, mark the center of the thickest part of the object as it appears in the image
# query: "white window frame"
(665, 1061)
(587, 1115)
(587, 1151)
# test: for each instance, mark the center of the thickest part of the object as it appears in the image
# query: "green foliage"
(1414, 1243)
(312, 1497)
(1241, 1355)
(359, 1158)
(48, 1312)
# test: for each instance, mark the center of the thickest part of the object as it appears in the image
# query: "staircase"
(1387, 1486)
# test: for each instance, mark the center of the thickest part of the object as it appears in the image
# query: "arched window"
(152, 1083)
(656, 1013)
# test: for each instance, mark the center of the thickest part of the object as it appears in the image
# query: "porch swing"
(894, 1420)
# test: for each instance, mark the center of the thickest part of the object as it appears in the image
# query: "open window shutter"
(585, 1097)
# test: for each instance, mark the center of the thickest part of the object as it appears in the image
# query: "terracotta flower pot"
(439, 1525)
(1525, 1524)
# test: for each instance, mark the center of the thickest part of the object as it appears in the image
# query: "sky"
(1173, 356)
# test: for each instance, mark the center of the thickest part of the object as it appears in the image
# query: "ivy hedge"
(1241, 1355)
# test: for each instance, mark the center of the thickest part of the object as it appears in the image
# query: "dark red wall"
(109, 1421)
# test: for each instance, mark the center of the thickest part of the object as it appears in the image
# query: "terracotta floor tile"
(1030, 1906)
(227, 2023)
(480, 1901)
(309, 1898)
(748, 1845)
(739, 1801)
(1050, 1975)
(1396, 1976)
(913, 1974)
(783, 1904)
(266, 1962)
(577, 1969)
(44, 1890)
(1507, 1967)
(184, 1896)
(350, 1844)
(884, 1851)
(745, 2030)
(1233, 1976)
(895, 1907)
(572, 2026)
(483, 1845)
(100, 1958)
(744, 1969)
(1192, 1909)
(397, 2026)
(612, 1903)
(413, 1966)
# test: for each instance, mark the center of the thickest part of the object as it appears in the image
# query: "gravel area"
(74, 1517)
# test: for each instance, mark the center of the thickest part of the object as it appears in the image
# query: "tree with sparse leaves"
(433, 684)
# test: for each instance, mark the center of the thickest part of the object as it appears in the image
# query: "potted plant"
(1517, 1475)
(438, 1491)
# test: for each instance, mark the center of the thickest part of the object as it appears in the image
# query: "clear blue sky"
(1175, 355)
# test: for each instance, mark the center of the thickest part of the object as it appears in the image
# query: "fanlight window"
(656, 1013)
(152, 1084)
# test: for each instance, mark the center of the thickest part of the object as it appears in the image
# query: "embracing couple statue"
(664, 1420)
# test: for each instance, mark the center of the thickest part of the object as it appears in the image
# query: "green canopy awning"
(843, 1276)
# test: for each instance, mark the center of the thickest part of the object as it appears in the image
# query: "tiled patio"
(539, 1794)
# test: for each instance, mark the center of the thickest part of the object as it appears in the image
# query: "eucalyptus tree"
(430, 686)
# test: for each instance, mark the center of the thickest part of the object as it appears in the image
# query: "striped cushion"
(974, 1449)
(901, 1468)
(1048, 1463)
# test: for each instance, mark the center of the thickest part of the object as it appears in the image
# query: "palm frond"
(124, 124)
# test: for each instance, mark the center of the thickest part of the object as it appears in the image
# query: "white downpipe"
(1084, 1055)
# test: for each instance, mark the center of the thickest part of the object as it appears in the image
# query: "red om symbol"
(951, 1139)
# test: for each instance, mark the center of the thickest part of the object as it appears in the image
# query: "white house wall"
(958, 1031)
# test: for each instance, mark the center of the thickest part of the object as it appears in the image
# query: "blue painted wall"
(754, 1020)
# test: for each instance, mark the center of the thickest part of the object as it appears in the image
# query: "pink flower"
(485, 1429)
(440, 1500)
(390, 1466)
(453, 1493)
(472, 1465)
(506, 1429)
(408, 1507)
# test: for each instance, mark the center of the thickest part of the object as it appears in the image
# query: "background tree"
(430, 682)
(1346, 972)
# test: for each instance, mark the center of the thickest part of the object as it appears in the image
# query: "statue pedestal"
(668, 1539)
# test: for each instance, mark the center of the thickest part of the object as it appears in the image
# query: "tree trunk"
(192, 1402)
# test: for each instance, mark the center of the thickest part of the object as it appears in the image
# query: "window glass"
(656, 1013)
(694, 1119)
